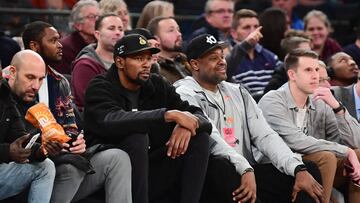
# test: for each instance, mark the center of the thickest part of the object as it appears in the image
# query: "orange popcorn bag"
(40, 116)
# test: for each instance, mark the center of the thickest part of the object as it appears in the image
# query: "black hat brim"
(153, 50)
(218, 45)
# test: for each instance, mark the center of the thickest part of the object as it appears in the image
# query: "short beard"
(137, 80)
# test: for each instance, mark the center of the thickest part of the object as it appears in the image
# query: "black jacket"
(109, 115)
(11, 124)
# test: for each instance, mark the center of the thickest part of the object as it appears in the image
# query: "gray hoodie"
(260, 143)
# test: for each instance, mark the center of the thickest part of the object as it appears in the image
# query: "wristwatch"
(299, 168)
(338, 109)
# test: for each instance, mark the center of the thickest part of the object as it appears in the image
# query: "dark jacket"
(347, 96)
(11, 124)
(110, 116)
(174, 70)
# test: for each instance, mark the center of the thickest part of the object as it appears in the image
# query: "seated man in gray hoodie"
(240, 123)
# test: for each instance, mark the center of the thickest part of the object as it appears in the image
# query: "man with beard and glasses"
(173, 64)
(166, 138)
(75, 178)
(96, 58)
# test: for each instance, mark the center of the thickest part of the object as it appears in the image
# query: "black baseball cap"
(142, 31)
(202, 44)
(131, 44)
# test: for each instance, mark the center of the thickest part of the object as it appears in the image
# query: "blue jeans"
(39, 177)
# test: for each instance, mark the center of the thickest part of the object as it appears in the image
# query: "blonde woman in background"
(118, 7)
(154, 9)
(317, 25)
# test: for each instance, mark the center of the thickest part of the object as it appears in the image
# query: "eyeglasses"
(222, 11)
(90, 17)
(321, 80)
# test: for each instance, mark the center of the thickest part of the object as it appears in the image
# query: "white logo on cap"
(210, 39)
(120, 49)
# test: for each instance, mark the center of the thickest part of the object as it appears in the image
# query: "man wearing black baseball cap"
(166, 138)
(241, 124)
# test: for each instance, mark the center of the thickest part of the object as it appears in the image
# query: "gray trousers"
(113, 172)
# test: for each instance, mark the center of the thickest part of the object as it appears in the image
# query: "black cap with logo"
(131, 44)
(202, 44)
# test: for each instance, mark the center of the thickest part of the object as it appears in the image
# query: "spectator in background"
(317, 25)
(354, 49)
(218, 16)
(274, 26)
(342, 70)
(293, 40)
(8, 48)
(96, 59)
(173, 63)
(117, 7)
(154, 9)
(288, 6)
(82, 21)
(249, 63)
(324, 79)
(311, 2)
(349, 96)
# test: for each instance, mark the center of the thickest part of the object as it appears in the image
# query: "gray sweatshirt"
(258, 141)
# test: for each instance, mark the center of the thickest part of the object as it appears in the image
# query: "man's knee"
(136, 145)
(324, 158)
(117, 159)
(200, 141)
(46, 168)
(69, 171)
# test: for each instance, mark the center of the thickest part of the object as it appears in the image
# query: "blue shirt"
(296, 22)
(357, 102)
(255, 74)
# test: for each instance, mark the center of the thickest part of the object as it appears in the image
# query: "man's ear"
(12, 71)
(291, 74)
(119, 62)
(78, 26)
(97, 35)
(233, 34)
(194, 64)
(35, 46)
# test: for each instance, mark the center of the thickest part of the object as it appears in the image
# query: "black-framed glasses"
(222, 11)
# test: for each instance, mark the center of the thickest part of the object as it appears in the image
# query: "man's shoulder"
(86, 60)
(278, 95)
(99, 81)
(339, 91)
